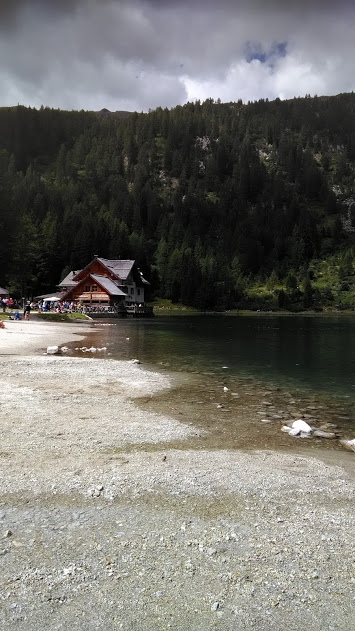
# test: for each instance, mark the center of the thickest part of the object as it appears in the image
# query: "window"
(132, 290)
(138, 291)
(87, 288)
(94, 288)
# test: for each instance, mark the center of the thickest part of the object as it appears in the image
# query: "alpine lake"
(239, 378)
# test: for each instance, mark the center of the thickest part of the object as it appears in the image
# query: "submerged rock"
(301, 429)
(320, 433)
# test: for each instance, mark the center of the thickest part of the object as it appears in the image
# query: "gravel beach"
(106, 525)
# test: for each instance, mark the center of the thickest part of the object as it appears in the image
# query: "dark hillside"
(119, 114)
(36, 135)
(210, 198)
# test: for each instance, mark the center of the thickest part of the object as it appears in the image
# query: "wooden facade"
(116, 285)
(88, 291)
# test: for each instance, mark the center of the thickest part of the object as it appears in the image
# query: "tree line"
(206, 197)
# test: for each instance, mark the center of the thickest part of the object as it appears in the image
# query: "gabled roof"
(108, 285)
(120, 268)
(3, 291)
(68, 280)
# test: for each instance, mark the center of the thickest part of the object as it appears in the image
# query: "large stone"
(52, 350)
(299, 427)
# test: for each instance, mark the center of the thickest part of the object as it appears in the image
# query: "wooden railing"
(102, 309)
(119, 310)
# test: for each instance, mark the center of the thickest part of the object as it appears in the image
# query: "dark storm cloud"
(10, 11)
(256, 5)
(137, 54)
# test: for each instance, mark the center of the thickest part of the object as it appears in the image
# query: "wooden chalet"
(107, 287)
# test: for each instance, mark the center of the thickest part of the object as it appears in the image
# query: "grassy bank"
(162, 305)
(167, 307)
(48, 317)
(61, 317)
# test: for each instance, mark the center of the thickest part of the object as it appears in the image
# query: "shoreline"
(106, 526)
(32, 336)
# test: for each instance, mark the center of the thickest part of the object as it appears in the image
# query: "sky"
(137, 55)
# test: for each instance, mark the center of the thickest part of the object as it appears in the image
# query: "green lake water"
(276, 368)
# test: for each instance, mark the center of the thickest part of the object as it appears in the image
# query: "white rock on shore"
(348, 444)
(298, 428)
(53, 350)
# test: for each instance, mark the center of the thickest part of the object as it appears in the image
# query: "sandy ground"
(24, 337)
(105, 525)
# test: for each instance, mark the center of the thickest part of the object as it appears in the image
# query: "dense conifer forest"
(223, 205)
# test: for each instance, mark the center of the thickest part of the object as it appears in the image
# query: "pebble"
(95, 491)
(215, 606)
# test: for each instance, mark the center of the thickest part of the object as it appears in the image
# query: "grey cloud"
(11, 12)
(137, 54)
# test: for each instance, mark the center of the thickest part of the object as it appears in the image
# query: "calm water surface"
(308, 351)
(278, 366)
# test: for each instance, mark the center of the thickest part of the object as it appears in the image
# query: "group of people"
(44, 306)
(58, 306)
(7, 303)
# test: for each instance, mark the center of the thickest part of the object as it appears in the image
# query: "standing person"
(27, 311)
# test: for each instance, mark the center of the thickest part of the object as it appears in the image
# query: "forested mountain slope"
(209, 198)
